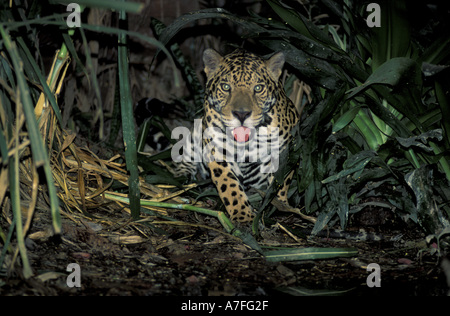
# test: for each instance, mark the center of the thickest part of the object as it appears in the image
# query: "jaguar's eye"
(225, 87)
(258, 88)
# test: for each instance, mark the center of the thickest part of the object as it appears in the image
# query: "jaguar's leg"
(231, 192)
(283, 192)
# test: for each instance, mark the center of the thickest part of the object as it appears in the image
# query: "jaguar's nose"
(242, 115)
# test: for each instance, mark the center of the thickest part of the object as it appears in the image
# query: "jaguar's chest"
(252, 161)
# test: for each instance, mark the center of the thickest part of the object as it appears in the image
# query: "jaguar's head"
(241, 90)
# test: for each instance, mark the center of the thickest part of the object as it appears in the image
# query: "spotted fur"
(242, 90)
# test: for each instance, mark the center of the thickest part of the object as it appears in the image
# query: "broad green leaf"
(217, 13)
(345, 118)
(312, 67)
(392, 72)
(393, 38)
(301, 24)
(317, 70)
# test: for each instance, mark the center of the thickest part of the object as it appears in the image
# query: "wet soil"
(198, 258)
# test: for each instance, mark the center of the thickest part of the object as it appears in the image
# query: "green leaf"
(318, 70)
(38, 73)
(15, 202)
(368, 130)
(327, 212)
(392, 72)
(437, 52)
(161, 179)
(393, 38)
(217, 13)
(441, 86)
(128, 127)
(303, 43)
(39, 152)
(301, 24)
(345, 119)
(338, 193)
(3, 147)
(299, 254)
(420, 140)
(302, 291)
(354, 164)
(429, 214)
(114, 5)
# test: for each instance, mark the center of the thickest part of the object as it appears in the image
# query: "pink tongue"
(241, 134)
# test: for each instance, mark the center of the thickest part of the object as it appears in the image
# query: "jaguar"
(247, 123)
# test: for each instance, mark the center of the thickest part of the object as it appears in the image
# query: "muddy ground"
(199, 258)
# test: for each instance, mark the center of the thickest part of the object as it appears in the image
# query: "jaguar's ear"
(275, 65)
(212, 60)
